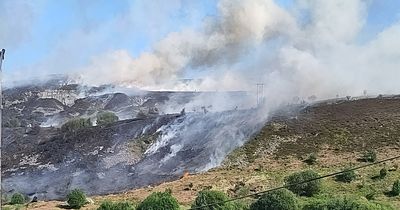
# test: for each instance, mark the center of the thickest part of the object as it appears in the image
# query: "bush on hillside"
(305, 189)
(207, 197)
(369, 156)
(311, 159)
(76, 199)
(104, 118)
(280, 200)
(396, 188)
(76, 124)
(124, 205)
(382, 173)
(159, 200)
(17, 198)
(347, 176)
(344, 203)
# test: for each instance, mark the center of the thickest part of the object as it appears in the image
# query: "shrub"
(76, 124)
(207, 197)
(369, 156)
(280, 200)
(17, 198)
(76, 199)
(396, 188)
(108, 205)
(382, 173)
(159, 200)
(347, 176)
(104, 118)
(305, 189)
(344, 203)
(311, 160)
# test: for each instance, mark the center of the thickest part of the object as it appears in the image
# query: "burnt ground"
(49, 162)
(337, 131)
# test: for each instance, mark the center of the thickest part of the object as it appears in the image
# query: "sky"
(49, 37)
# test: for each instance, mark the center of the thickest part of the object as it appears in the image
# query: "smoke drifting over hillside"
(309, 50)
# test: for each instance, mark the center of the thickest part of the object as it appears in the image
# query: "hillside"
(338, 132)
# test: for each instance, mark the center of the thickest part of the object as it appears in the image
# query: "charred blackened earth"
(40, 159)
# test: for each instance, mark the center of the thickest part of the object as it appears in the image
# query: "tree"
(281, 199)
(76, 199)
(304, 189)
(104, 118)
(159, 200)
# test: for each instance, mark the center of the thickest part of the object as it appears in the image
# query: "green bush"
(382, 173)
(344, 203)
(369, 156)
(348, 176)
(305, 189)
(108, 205)
(159, 200)
(396, 188)
(207, 197)
(76, 199)
(278, 200)
(17, 198)
(311, 159)
(76, 124)
(104, 118)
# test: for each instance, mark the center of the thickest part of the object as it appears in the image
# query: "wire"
(303, 182)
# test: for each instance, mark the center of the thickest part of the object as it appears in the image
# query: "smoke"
(311, 49)
(17, 19)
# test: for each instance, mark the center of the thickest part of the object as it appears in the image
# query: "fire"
(185, 175)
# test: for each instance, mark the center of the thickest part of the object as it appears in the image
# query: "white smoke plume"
(309, 50)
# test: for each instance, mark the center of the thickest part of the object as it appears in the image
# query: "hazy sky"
(47, 36)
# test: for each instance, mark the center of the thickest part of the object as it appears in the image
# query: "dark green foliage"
(238, 205)
(159, 200)
(17, 198)
(311, 159)
(108, 205)
(76, 124)
(382, 173)
(277, 200)
(207, 197)
(344, 203)
(369, 156)
(396, 188)
(104, 118)
(76, 199)
(306, 189)
(348, 176)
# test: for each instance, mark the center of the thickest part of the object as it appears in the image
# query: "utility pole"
(2, 52)
(260, 94)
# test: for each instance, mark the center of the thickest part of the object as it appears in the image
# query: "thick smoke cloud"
(309, 50)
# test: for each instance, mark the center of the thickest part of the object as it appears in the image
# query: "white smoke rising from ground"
(309, 50)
